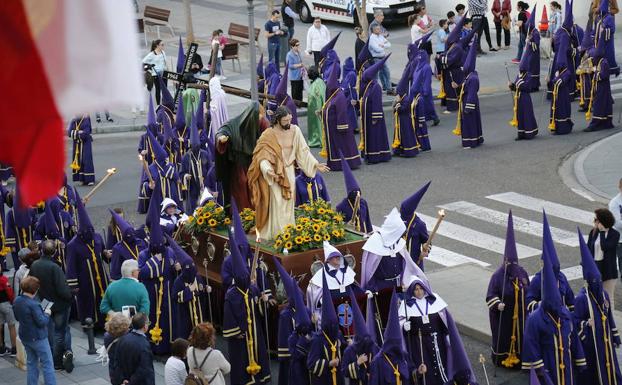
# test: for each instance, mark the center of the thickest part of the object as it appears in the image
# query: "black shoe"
(98, 120)
(589, 129)
(58, 368)
(3, 351)
(68, 361)
(391, 92)
(436, 122)
(493, 49)
(110, 119)
(480, 52)
(13, 351)
(518, 138)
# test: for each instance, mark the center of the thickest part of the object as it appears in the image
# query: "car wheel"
(304, 12)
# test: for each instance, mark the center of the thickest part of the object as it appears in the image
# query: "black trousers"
(506, 34)
(316, 59)
(158, 91)
(481, 26)
(297, 87)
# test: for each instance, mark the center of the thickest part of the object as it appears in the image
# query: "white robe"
(281, 211)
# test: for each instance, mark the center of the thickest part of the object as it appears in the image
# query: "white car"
(345, 10)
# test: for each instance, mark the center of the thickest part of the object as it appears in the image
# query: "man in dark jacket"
(134, 358)
(54, 288)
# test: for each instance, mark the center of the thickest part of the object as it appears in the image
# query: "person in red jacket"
(6, 315)
(501, 11)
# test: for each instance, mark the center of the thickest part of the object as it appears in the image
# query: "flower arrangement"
(316, 222)
(208, 217)
(248, 219)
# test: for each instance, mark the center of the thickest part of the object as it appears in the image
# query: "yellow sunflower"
(218, 210)
(207, 215)
(248, 218)
(200, 221)
(212, 222)
(321, 211)
(298, 227)
(338, 218)
(307, 238)
(210, 204)
(326, 237)
(316, 227)
(299, 240)
(335, 233)
(317, 237)
(286, 236)
(278, 243)
(288, 245)
(227, 221)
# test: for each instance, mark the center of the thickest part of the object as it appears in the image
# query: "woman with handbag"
(155, 63)
(205, 362)
(602, 242)
(501, 11)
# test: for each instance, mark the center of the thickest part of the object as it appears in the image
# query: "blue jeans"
(59, 334)
(218, 66)
(521, 46)
(384, 75)
(39, 351)
(274, 50)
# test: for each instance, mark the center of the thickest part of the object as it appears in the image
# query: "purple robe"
(285, 330)
(226, 274)
(527, 124)
(542, 343)
(236, 324)
(6, 172)
(82, 150)
(338, 132)
(143, 196)
(310, 189)
(151, 270)
(560, 120)
(512, 292)
(405, 117)
(470, 117)
(418, 111)
(166, 179)
(350, 369)
(451, 65)
(381, 372)
(534, 292)
(601, 105)
(375, 147)
(608, 26)
(416, 236)
(164, 113)
(194, 170)
(362, 223)
(319, 356)
(426, 89)
(566, 56)
(189, 309)
(599, 341)
(420, 339)
(86, 273)
(348, 84)
(533, 45)
(123, 251)
(17, 233)
(299, 350)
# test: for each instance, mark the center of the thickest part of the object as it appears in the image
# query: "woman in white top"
(202, 342)
(416, 32)
(156, 58)
(175, 372)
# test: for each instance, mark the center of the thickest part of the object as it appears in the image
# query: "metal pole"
(251, 49)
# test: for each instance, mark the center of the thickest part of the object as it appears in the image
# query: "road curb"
(113, 129)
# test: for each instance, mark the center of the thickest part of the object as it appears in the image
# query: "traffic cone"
(544, 22)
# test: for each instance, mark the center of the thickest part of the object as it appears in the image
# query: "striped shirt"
(478, 7)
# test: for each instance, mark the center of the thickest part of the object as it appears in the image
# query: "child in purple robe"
(451, 67)
(605, 28)
(164, 175)
(507, 308)
(469, 125)
(348, 84)
(416, 230)
(532, 46)
(128, 247)
(353, 207)
(85, 269)
(600, 107)
(374, 143)
(194, 170)
(82, 153)
(272, 81)
(593, 317)
(309, 189)
(560, 122)
(19, 228)
(145, 151)
(524, 118)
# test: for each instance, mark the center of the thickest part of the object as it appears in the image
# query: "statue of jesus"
(271, 176)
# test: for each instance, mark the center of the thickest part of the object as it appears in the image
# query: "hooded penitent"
(459, 369)
(371, 71)
(551, 300)
(238, 231)
(241, 275)
(469, 61)
(159, 154)
(181, 57)
(126, 230)
(167, 100)
(352, 185)
(410, 204)
(568, 17)
(85, 227)
(329, 322)
(454, 34)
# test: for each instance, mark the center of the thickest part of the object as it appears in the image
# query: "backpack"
(196, 376)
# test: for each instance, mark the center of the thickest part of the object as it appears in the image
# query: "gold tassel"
(588, 114)
(514, 121)
(396, 131)
(512, 358)
(458, 130)
(552, 120)
(441, 92)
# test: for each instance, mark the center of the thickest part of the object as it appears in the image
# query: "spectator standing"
(615, 206)
(451, 20)
(134, 358)
(273, 33)
(127, 291)
(441, 36)
(317, 37)
(378, 19)
(116, 327)
(358, 44)
(426, 23)
(6, 315)
(295, 69)
(33, 332)
(377, 47)
(107, 114)
(555, 21)
(175, 371)
(27, 257)
(54, 288)
(416, 32)
(501, 11)
(216, 53)
(478, 10)
(521, 23)
(460, 11)
(202, 342)
(156, 58)
(289, 16)
(602, 242)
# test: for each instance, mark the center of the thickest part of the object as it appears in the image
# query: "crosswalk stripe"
(448, 258)
(572, 273)
(520, 224)
(476, 238)
(616, 86)
(535, 204)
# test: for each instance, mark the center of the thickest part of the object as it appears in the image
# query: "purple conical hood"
(423, 39)
(332, 83)
(180, 116)
(412, 51)
(454, 34)
(458, 365)
(591, 274)
(525, 60)
(288, 282)
(551, 299)
(360, 326)
(328, 46)
(166, 100)
(158, 151)
(330, 322)
(181, 57)
(393, 340)
(180, 254)
(152, 124)
(238, 229)
(301, 316)
(548, 244)
(604, 7)
(531, 22)
(588, 38)
(364, 55)
(169, 135)
(370, 320)
(84, 221)
(156, 238)
(51, 227)
(598, 51)
(121, 223)
(350, 181)
(410, 204)
(510, 255)
(372, 70)
(348, 66)
(403, 86)
(469, 62)
(241, 275)
(281, 89)
(568, 17)
(259, 68)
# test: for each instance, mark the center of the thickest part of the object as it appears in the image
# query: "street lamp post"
(251, 48)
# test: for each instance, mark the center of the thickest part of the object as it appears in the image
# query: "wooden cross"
(179, 77)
